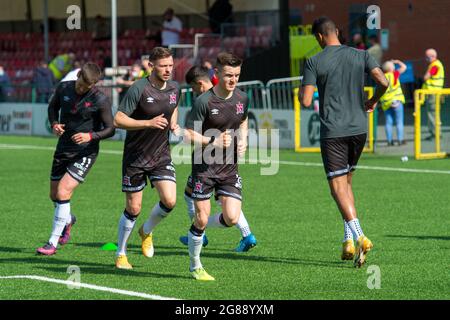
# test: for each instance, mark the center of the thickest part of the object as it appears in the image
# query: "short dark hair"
(196, 73)
(159, 53)
(91, 73)
(324, 26)
(228, 59)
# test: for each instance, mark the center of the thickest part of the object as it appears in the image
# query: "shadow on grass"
(58, 265)
(15, 250)
(418, 237)
(180, 250)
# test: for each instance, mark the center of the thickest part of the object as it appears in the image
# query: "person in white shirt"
(171, 29)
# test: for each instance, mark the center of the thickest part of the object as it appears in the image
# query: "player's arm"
(108, 130)
(129, 103)
(382, 85)
(306, 92)
(373, 68)
(174, 127)
(243, 134)
(194, 127)
(306, 95)
(53, 113)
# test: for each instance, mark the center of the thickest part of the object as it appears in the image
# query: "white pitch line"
(263, 162)
(91, 286)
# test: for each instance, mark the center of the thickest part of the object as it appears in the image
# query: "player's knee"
(169, 203)
(201, 219)
(63, 194)
(231, 221)
(134, 209)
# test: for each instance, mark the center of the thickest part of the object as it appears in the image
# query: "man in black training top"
(198, 78)
(81, 116)
(148, 111)
(218, 125)
(338, 72)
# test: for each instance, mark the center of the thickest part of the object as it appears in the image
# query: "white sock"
(347, 232)
(62, 215)
(190, 206)
(195, 247)
(126, 225)
(158, 213)
(216, 221)
(356, 228)
(243, 226)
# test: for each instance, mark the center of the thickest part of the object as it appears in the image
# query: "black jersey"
(87, 113)
(144, 101)
(214, 112)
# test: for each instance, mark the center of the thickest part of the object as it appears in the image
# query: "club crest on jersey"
(173, 98)
(215, 111)
(150, 100)
(239, 108)
(198, 187)
(88, 104)
(126, 181)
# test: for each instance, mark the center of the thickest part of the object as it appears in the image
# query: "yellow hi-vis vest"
(394, 92)
(436, 81)
(60, 66)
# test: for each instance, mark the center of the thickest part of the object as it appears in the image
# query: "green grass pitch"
(297, 224)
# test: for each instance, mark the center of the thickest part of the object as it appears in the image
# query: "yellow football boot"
(348, 250)
(202, 275)
(147, 243)
(122, 263)
(364, 245)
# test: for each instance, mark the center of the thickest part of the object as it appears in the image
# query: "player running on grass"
(148, 111)
(214, 165)
(198, 78)
(338, 71)
(80, 116)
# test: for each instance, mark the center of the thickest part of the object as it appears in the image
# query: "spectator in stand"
(104, 61)
(171, 28)
(61, 65)
(43, 81)
(5, 86)
(220, 12)
(358, 42)
(134, 73)
(101, 29)
(375, 49)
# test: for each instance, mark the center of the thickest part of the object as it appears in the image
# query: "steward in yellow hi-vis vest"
(394, 92)
(434, 77)
(393, 100)
(61, 65)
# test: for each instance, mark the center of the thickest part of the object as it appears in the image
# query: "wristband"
(211, 140)
(90, 135)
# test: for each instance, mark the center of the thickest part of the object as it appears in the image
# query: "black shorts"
(134, 179)
(340, 155)
(203, 187)
(77, 164)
